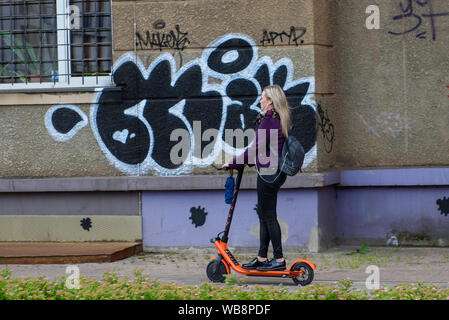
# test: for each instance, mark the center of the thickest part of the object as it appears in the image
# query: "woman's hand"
(226, 165)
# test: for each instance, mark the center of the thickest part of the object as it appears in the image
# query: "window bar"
(68, 37)
(4, 76)
(13, 23)
(62, 42)
(24, 23)
(41, 69)
(54, 73)
(83, 26)
(24, 42)
(98, 8)
(10, 40)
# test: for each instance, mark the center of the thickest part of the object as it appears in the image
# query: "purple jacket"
(255, 152)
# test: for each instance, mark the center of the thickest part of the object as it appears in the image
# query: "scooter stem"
(231, 209)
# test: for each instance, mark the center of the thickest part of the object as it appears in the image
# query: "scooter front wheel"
(305, 274)
(216, 271)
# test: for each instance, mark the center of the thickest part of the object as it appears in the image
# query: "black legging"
(267, 192)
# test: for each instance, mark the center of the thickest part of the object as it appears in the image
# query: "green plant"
(3, 69)
(324, 261)
(364, 249)
(231, 279)
(345, 284)
(25, 54)
(23, 50)
(142, 287)
(339, 262)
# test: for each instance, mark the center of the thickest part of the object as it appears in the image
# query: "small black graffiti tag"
(443, 206)
(292, 37)
(327, 129)
(414, 19)
(172, 39)
(198, 216)
(159, 24)
(86, 224)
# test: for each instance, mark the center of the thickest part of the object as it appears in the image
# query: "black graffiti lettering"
(408, 12)
(327, 129)
(173, 39)
(159, 24)
(182, 41)
(86, 223)
(243, 52)
(301, 34)
(290, 37)
(198, 216)
(244, 94)
(133, 123)
(302, 114)
(443, 206)
(65, 119)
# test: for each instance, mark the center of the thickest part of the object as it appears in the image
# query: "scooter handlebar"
(222, 168)
(227, 168)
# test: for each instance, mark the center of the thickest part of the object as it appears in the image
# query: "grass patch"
(354, 259)
(142, 287)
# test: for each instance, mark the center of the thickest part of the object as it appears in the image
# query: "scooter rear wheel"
(214, 274)
(306, 274)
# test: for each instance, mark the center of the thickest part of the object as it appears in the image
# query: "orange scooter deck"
(231, 261)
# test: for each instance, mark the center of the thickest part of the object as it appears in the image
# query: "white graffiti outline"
(211, 47)
(225, 146)
(150, 164)
(63, 137)
(290, 83)
(248, 73)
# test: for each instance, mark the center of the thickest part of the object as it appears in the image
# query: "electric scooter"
(300, 271)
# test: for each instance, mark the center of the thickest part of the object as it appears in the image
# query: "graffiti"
(389, 123)
(448, 88)
(173, 39)
(443, 206)
(135, 124)
(327, 129)
(198, 216)
(291, 37)
(86, 224)
(393, 123)
(413, 21)
(159, 24)
(64, 121)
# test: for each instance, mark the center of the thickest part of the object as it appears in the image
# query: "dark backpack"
(292, 157)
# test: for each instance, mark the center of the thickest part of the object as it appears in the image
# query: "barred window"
(55, 43)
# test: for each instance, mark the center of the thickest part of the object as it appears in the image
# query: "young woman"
(273, 124)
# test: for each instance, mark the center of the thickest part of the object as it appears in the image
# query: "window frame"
(65, 82)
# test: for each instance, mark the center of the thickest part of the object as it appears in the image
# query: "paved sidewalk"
(188, 265)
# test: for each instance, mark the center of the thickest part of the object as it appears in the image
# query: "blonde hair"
(280, 105)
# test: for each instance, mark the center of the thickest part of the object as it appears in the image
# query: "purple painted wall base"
(167, 217)
(409, 203)
(349, 207)
(375, 214)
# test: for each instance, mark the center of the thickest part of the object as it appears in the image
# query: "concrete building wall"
(363, 100)
(186, 65)
(391, 84)
(190, 65)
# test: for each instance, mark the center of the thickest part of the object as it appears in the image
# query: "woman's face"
(264, 102)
